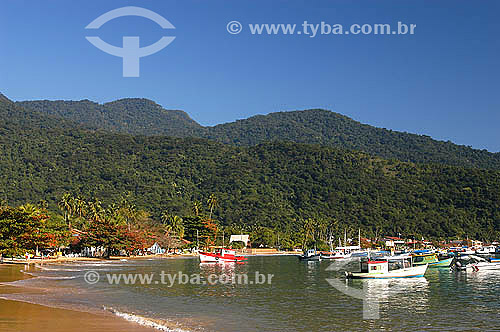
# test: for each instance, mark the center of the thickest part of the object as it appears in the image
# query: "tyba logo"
(131, 52)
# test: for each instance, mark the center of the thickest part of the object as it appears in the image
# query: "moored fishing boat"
(341, 252)
(431, 259)
(334, 255)
(395, 267)
(486, 250)
(442, 263)
(310, 255)
(220, 255)
(473, 263)
(424, 258)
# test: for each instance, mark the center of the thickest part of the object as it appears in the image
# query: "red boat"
(220, 255)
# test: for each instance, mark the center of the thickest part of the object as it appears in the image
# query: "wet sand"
(20, 316)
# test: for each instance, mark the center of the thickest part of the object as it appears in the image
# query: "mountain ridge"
(140, 116)
(272, 184)
(121, 115)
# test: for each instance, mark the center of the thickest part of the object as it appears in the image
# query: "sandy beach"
(23, 316)
(18, 316)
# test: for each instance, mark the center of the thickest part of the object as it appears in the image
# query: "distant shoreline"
(9, 261)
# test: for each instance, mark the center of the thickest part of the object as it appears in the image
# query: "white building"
(240, 238)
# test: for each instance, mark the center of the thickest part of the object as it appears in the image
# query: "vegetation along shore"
(123, 190)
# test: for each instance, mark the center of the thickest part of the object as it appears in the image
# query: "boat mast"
(359, 238)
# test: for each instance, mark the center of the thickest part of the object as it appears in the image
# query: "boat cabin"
(386, 264)
(347, 249)
(310, 253)
(370, 266)
(224, 252)
(425, 258)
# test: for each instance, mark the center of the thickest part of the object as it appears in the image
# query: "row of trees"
(272, 186)
(122, 226)
(29, 228)
(88, 223)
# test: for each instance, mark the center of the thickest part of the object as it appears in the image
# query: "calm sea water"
(298, 299)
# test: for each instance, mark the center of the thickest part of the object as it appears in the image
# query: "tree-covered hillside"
(144, 117)
(336, 130)
(274, 184)
(134, 116)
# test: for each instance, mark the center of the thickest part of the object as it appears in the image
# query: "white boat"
(345, 251)
(388, 267)
(310, 255)
(341, 252)
(488, 250)
(473, 263)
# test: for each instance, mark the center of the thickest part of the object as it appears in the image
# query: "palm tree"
(65, 204)
(131, 215)
(165, 217)
(30, 209)
(196, 208)
(212, 204)
(80, 206)
(3, 204)
(307, 230)
(176, 224)
(43, 204)
(95, 209)
(173, 224)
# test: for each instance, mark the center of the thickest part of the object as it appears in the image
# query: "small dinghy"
(310, 255)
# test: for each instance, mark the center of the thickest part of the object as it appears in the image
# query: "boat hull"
(315, 258)
(410, 272)
(207, 257)
(481, 267)
(442, 263)
(336, 256)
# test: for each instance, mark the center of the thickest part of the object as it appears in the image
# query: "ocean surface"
(297, 298)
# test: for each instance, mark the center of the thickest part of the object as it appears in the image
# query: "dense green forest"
(133, 116)
(274, 184)
(144, 117)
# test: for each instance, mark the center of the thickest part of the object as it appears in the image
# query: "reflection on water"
(299, 298)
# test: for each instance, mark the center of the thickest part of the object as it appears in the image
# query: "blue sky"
(443, 81)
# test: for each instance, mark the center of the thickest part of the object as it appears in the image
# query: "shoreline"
(46, 317)
(13, 312)
(11, 261)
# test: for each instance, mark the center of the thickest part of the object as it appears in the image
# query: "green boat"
(443, 263)
(432, 260)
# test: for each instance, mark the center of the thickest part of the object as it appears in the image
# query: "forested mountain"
(144, 117)
(273, 184)
(333, 129)
(134, 116)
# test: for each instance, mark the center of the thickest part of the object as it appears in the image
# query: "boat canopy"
(348, 248)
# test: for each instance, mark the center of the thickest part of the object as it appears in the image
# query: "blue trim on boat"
(417, 276)
(422, 251)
